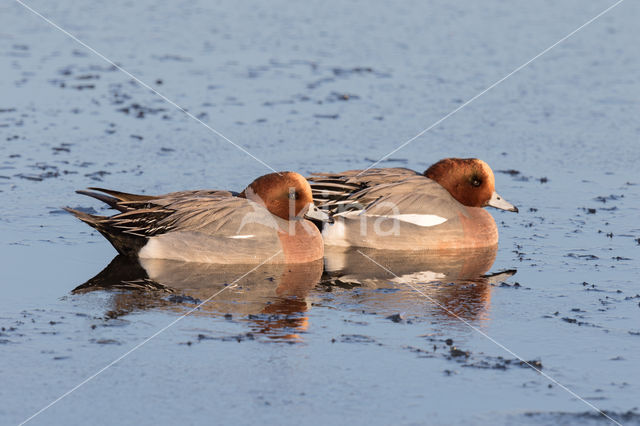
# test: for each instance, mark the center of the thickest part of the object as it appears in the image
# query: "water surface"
(323, 87)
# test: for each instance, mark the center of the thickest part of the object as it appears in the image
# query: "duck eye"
(476, 182)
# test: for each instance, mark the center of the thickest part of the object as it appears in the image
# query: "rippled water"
(323, 87)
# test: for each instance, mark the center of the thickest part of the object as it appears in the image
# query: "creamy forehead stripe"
(418, 219)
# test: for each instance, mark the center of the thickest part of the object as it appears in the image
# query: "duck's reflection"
(272, 297)
(454, 283)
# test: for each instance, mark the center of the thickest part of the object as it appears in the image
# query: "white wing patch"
(241, 237)
(424, 220)
(417, 219)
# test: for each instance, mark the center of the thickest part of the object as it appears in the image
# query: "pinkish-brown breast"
(479, 228)
(301, 243)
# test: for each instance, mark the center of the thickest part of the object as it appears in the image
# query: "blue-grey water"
(311, 87)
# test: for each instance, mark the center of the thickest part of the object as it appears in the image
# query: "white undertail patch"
(334, 234)
(151, 250)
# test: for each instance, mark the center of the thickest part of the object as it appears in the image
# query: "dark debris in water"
(328, 116)
(518, 176)
(336, 96)
(172, 58)
(469, 359)
(582, 256)
(515, 285)
(105, 341)
(356, 338)
(349, 71)
(500, 363)
(139, 111)
(179, 298)
(63, 147)
(510, 172)
(329, 284)
(242, 337)
(400, 317)
(571, 320)
(340, 73)
(266, 317)
(620, 258)
(607, 198)
(112, 315)
(455, 352)
(43, 171)
(83, 86)
(97, 175)
(628, 417)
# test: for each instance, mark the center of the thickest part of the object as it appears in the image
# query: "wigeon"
(400, 209)
(265, 222)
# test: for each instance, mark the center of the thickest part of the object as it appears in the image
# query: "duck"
(268, 222)
(401, 209)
